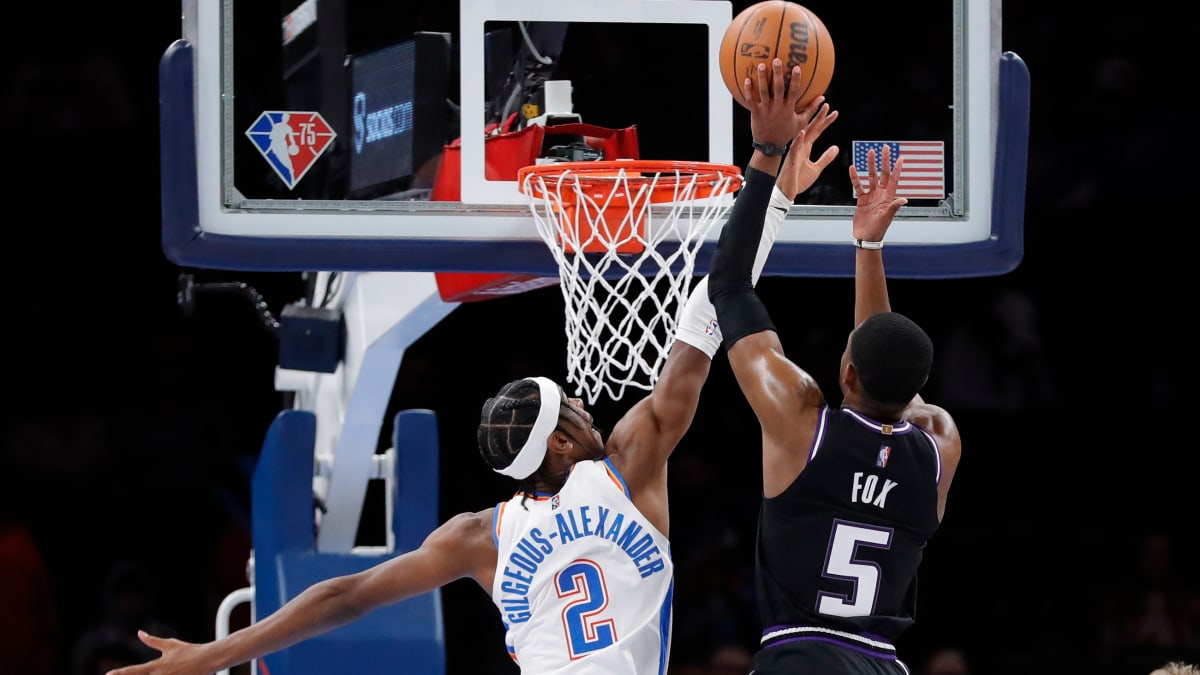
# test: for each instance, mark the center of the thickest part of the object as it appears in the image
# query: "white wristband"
(698, 321)
(873, 245)
(776, 213)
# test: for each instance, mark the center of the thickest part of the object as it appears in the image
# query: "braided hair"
(505, 424)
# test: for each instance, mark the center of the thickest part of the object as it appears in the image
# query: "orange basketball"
(774, 28)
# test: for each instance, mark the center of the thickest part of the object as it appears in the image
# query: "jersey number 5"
(582, 584)
(840, 563)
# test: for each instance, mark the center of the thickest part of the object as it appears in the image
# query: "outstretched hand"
(178, 658)
(877, 201)
(799, 171)
(773, 116)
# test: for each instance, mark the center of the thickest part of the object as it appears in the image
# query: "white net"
(625, 236)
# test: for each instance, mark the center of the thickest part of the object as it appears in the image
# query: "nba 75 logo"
(291, 142)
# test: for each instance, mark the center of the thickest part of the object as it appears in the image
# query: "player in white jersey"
(578, 561)
(561, 554)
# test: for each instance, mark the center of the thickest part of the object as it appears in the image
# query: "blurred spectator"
(114, 652)
(945, 660)
(683, 667)
(995, 360)
(28, 622)
(130, 604)
(722, 658)
(1153, 621)
(730, 659)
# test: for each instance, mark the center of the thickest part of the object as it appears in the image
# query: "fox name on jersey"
(870, 490)
(574, 523)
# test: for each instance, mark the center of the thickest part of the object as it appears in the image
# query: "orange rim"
(594, 174)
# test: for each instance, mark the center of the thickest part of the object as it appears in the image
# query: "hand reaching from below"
(877, 201)
(799, 171)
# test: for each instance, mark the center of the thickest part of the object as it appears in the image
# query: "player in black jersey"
(851, 495)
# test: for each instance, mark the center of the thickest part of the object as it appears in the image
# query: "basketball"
(777, 28)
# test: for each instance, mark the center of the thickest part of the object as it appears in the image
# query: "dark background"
(131, 426)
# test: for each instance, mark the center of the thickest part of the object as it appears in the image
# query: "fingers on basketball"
(777, 28)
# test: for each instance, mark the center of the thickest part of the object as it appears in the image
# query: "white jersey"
(583, 580)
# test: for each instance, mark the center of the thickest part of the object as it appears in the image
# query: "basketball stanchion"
(625, 234)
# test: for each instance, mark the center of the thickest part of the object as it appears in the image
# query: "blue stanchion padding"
(282, 493)
(415, 438)
(403, 637)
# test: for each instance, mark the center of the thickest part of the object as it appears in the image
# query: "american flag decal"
(924, 172)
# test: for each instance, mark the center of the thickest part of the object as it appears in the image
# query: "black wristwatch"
(770, 149)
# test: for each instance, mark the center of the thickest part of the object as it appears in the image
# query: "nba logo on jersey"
(711, 328)
(291, 142)
(882, 458)
(554, 502)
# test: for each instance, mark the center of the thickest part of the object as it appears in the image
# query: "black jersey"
(838, 550)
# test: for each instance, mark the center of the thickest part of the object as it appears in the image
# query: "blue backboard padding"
(185, 242)
(286, 563)
(415, 438)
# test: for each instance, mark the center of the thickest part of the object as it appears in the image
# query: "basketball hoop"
(625, 234)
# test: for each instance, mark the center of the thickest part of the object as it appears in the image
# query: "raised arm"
(877, 207)
(457, 549)
(646, 436)
(673, 401)
(784, 397)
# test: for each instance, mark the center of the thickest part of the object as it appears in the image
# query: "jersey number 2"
(582, 584)
(840, 563)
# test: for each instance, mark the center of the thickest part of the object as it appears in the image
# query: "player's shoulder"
(931, 417)
(939, 423)
(471, 527)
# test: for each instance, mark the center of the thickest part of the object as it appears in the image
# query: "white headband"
(534, 451)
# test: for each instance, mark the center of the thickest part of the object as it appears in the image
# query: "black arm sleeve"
(730, 284)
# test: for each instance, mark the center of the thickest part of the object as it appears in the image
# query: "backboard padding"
(203, 227)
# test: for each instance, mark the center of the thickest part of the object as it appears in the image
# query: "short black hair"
(507, 420)
(892, 356)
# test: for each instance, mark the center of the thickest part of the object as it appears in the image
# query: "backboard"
(374, 95)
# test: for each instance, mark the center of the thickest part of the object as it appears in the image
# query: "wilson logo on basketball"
(798, 48)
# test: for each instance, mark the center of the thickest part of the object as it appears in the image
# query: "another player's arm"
(784, 397)
(459, 548)
(644, 438)
(672, 404)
